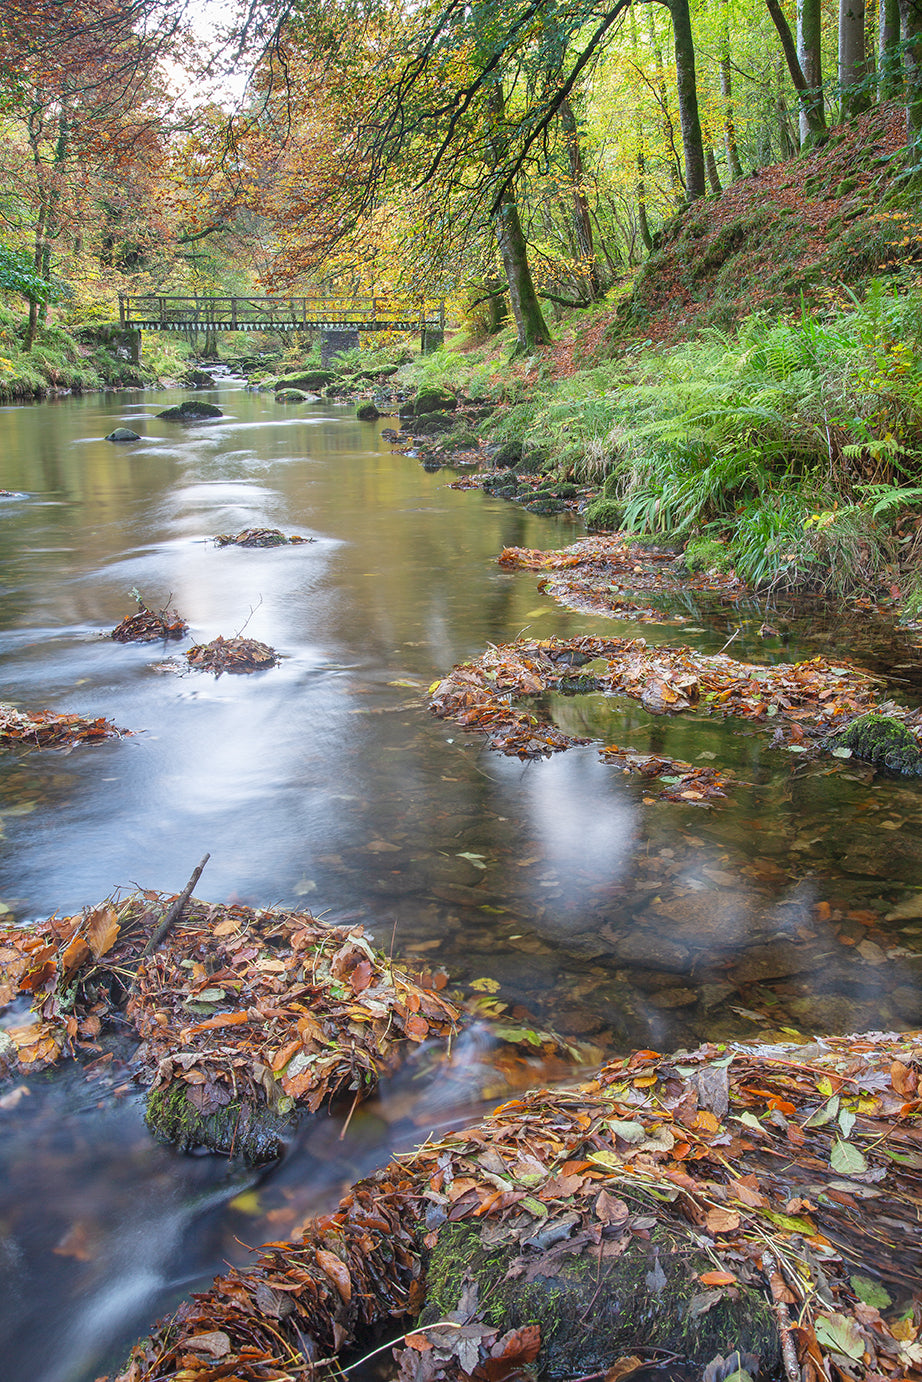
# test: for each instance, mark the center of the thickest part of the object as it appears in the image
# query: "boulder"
(292, 396)
(883, 741)
(123, 434)
(430, 425)
(191, 410)
(367, 412)
(308, 380)
(198, 379)
(434, 401)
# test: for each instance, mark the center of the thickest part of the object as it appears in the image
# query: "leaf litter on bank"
(239, 1012)
(725, 1148)
(48, 729)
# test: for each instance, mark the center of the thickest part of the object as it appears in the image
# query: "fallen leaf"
(337, 1271)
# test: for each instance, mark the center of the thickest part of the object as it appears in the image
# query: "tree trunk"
(581, 220)
(810, 109)
(853, 60)
(911, 38)
(710, 164)
(526, 309)
(675, 172)
(734, 168)
(692, 142)
(810, 56)
(889, 81)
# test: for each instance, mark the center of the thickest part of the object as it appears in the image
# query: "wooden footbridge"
(153, 312)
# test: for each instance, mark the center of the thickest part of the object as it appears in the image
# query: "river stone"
(647, 950)
(309, 380)
(191, 410)
(431, 424)
(198, 379)
(123, 434)
(823, 1014)
(291, 396)
(908, 1002)
(883, 741)
(647, 1297)
(434, 401)
(367, 412)
(774, 962)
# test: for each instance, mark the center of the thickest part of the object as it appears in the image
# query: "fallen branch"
(176, 910)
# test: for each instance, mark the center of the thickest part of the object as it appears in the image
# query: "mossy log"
(241, 1128)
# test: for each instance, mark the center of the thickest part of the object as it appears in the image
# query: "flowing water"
(324, 783)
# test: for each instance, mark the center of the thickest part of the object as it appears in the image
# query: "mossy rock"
(604, 513)
(367, 412)
(883, 741)
(648, 1297)
(706, 554)
(191, 410)
(253, 1132)
(434, 401)
(508, 456)
(545, 506)
(506, 491)
(291, 396)
(310, 380)
(431, 425)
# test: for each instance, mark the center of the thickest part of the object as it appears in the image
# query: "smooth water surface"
(325, 783)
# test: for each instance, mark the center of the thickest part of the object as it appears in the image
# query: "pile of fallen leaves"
(48, 730)
(795, 1170)
(232, 655)
(258, 537)
(597, 575)
(148, 627)
(819, 695)
(269, 1007)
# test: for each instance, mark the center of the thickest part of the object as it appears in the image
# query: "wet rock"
(434, 401)
(673, 998)
(123, 434)
(775, 962)
(367, 412)
(430, 425)
(645, 948)
(907, 999)
(883, 741)
(198, 379)
(825, 1013)
(191, 410)
(291, 396)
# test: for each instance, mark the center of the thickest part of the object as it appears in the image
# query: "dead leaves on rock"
(48, 730)
(258, 537)
(731, 1143)
(148, 627)
(482, 695)
(273, 1007)
(232, 655)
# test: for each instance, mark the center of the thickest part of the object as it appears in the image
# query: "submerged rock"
(883, 741)
(123, 434)
(191, 410)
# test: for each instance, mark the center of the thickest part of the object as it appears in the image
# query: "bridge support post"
(431, 337)
(334, 340)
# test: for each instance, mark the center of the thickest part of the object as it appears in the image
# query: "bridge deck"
(152, 312)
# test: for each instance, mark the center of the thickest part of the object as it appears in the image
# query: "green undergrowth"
(70, 355)
(788, 449)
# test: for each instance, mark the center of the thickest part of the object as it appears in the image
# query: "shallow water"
(325, 783)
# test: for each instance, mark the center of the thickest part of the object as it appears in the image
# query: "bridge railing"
(158, 312)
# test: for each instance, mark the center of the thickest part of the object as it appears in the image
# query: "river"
(325, 783)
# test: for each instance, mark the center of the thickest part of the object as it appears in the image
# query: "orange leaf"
(705, 1121)
(417, 1341)
(284, 1055)
(102, 931)
(416, 1027)
(722, 1220)
(219, 1020)
(75, 954)
(717, 1278)
(361, 976)
(336, 1270)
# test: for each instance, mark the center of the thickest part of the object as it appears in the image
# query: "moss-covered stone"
(604, 513)
(434, 400)
(242, 1128)
(191, 410)
(883, 741)
(309, 380)
(706, 554)
(648, 1296)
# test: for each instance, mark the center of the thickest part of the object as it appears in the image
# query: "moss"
(706, 554)
(883, 741)
(604, 513)
(648, 1297)
(252, 1132)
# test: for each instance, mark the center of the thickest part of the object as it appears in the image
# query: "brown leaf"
(337, 1271)
(416, 1027)
(722, 1220)
(623, 1367)
(215, 1344)
(510, 1353)
(609, 1209)
(102, 931)
(717, 1278)
(361, 976)
(904, 1080)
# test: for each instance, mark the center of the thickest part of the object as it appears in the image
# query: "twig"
(729, 641)
(175, 912)
(253, 609)
(788, 1350)
(355, 1103)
